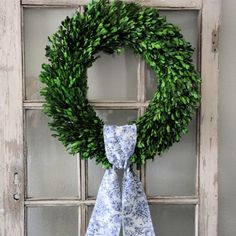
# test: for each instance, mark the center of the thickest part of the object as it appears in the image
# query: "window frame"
(12, 106)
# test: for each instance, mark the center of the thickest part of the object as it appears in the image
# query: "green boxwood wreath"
(109, 27)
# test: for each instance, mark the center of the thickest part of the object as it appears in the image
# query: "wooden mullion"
(51, 6)
(196, 219)
(80, 194)
(58, 202)
(23, 54)
(83, 220)
(84, 179)
(142, 98)
(197, 173)
(183, 4)
(141, 81)
(25, 221)
(79, 176)
(83, 195)
(199, 39)
(91, 201)
(25, 153)
(96, 104)
(199, 35)
(54, 3)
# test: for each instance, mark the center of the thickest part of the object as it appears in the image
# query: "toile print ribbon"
(115, 208)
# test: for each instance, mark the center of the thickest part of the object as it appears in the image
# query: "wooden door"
(45, 191)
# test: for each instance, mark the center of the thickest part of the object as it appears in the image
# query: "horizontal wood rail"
(97, 104)
(186, 200)
(188, 4)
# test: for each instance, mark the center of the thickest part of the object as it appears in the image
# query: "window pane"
(113, 77)
(39, 23)
(173, 220)
(117, 117)
(50, 221)
(95, 174)
(188, 23)
(174, 172)
(52, 172)
(170, 220)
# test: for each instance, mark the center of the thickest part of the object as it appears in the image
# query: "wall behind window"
(227, 121)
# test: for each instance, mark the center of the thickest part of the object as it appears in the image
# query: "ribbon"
(116, 208)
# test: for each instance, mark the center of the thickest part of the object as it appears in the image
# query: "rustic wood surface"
(11, 130)
(193, 4)
(208, 166)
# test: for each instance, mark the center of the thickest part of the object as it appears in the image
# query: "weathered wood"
(83, 193)
(208, 189)
(54, 2)
(83, 219)
(193, 200)
(58, 202)
(97, 104)
(193, 4)
(196, 220)
(78, 161)
(11, 121)
(199, 28)
(141, 94)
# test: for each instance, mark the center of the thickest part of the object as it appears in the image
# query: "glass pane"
(39, 23)
(173, 220)
(170, 220)
(90, 211)
(49, 221)
(52, 172)
(117, 117)
(95, 173)
(174, 172)
(113, 77)
(188, 23)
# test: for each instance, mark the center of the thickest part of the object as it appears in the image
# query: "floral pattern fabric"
(117, 208)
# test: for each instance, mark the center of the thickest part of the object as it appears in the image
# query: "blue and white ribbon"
(115, 208)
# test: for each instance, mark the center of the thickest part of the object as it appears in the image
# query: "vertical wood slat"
(196, 220)
(83, 184)
(11, 121)
(141, 94)
(79, 192)
(141, 97)
(208, 188)
(199, 28)
(83, 195)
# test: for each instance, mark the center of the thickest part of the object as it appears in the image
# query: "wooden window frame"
(13, 104)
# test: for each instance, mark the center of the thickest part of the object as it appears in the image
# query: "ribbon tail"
(106, 216)
(136, 214)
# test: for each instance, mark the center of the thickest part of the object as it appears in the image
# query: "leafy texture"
(108, 27)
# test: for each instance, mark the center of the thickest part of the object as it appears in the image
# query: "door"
(46, 191)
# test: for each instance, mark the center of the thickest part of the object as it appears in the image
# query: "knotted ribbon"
(115, 208)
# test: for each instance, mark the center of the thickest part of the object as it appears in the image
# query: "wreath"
(109, 27)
